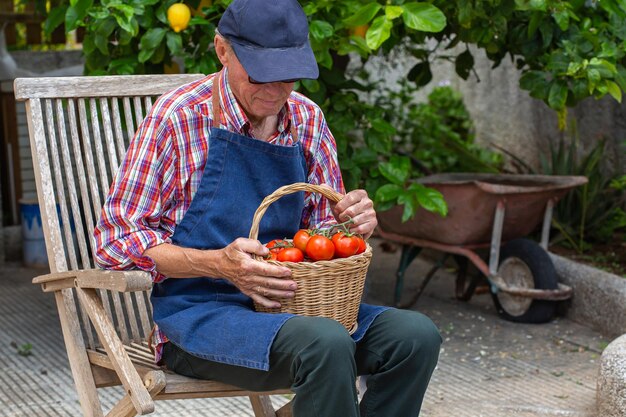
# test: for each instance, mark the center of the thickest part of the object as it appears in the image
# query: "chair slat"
(97, 141)
(43, 177)
(89, 156)
(88, 207)
(72, 190)
(104, 296)
(128, 114)
(119, 314)
(148, 104)
(108, 134)
(143, 314)
(132, 317)
(117, 125)
(139, 114)
(60, 186)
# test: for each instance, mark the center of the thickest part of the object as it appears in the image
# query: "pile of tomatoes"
(316, 245)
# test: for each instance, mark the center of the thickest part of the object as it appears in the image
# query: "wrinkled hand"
(356, 205)
(259, 280)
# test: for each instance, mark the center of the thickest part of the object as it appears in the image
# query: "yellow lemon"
(178, 16)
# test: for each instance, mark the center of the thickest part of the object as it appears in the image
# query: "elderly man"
(198, 167)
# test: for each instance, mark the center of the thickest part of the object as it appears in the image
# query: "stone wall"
(507, 116)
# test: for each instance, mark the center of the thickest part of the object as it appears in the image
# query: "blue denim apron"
(209, 317)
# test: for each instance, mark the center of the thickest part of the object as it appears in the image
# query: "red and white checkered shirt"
(161, 172)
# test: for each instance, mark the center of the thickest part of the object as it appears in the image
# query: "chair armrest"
(122, 281)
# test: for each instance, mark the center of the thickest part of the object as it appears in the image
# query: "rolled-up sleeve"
(132, 218)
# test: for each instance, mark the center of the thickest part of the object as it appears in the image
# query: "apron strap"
(217, 108)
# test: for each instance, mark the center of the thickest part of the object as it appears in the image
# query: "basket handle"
(284, 190)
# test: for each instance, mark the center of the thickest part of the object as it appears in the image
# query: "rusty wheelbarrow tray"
(487, 211)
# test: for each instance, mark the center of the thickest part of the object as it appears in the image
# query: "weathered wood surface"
(103, 86)
(122, 364)
(120, 281)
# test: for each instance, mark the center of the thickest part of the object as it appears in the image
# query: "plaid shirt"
(161, 172)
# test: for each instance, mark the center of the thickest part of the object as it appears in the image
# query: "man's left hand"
(356, 205)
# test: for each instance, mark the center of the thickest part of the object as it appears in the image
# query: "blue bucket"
(33, 243)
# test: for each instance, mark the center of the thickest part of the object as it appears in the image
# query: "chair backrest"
(79, 131)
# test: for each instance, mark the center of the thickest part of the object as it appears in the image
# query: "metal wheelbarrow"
(495, 212)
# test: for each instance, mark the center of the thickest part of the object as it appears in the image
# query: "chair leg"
(77, 355)
(286, 410)
(154, 382)
(262, 406)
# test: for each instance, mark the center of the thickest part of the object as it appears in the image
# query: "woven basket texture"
(330, 289)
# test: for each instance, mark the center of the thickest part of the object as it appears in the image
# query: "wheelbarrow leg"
(425, 282)
(463, 292)
(409, 252)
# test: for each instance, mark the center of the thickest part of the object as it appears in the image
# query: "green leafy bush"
(594, 211)
(566, 51)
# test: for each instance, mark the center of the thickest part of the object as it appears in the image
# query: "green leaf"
(102, 43)
(174, 43)
(396, 170)
(382, 126)
(464, 64)
(388, 192)
(424, 17)
(76, 13)
(538, 5)
(379, 32)
(321, 30)
(562, 19)
(620, 78)
(311, 85)
(363, 16)
(409, 206)
(199, 21)
(54, 20)
(557, 95)
(393, 12)
(145, 55)
(614, 90)
(430, 199)
(420, 74)
(152, 38)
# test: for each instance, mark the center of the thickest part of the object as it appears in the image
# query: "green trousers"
(319, 361)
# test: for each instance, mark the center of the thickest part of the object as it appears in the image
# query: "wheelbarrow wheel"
(525, 264)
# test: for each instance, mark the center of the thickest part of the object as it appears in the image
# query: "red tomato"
(301, 238)
(271, 256)
(290, 255)
(362, 245)
(277, 245)
(345, 246)
(320, 248)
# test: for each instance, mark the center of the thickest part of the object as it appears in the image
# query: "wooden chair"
(79, 129)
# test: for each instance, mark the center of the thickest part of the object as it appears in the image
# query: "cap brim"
(268, 65)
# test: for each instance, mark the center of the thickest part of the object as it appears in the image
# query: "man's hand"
(259, 280)
(356, 205)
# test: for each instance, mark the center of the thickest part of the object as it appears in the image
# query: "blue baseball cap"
(270, 39)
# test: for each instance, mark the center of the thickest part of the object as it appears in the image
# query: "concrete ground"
(488, 367)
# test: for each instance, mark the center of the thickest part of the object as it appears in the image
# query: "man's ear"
(222, 49)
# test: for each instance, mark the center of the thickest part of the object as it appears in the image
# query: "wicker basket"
(330, 289)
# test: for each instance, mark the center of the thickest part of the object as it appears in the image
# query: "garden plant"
(566, 51)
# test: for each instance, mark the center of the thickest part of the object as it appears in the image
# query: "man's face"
(257, 100)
